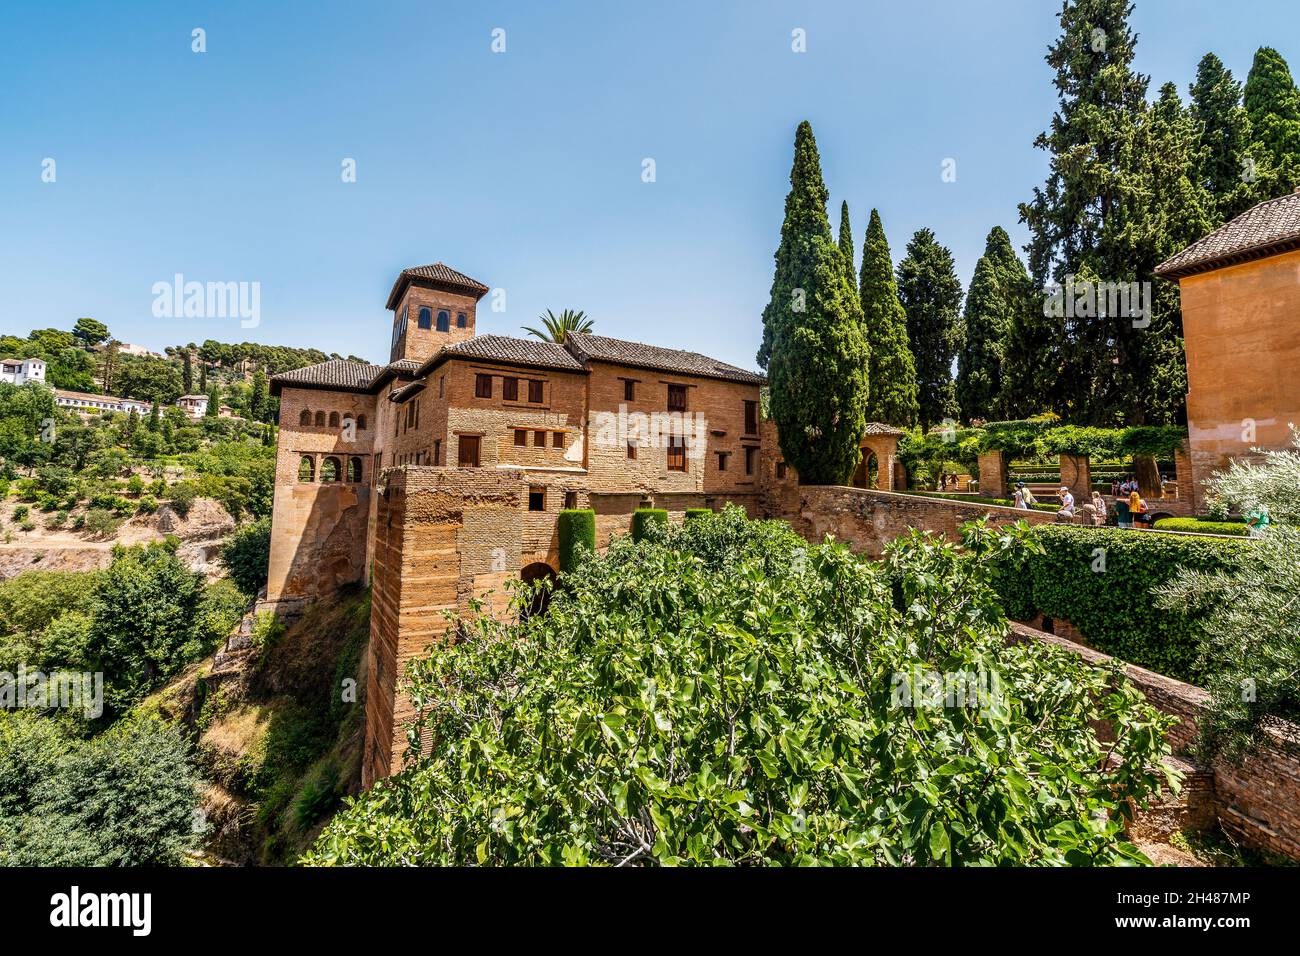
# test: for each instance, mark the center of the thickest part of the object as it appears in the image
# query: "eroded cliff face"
(201, 532)
(276, 717)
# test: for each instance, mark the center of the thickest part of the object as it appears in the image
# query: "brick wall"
(1241, 329)
(318, 532)
(420, 344)
(442, 537)
(722, 404)
(1257, 801)
(867, 520)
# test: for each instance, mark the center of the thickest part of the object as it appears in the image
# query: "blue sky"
(522, 169)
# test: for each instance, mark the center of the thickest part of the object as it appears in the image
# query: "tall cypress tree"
(991, 302)
(891, 375)
(846, 244)
(930, 292)
(1178, 211)
(813, 345)
(1031, 369)
(1085, 219)
(1227, 164)
(1273, 106)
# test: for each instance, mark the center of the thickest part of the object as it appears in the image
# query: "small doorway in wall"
(867, 474)
(538, 571)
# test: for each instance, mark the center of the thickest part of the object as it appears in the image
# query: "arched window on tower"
(426, 317)
(460, 320)
(444, 320)
(305, 417)
(334, 419)
(306, 469)
(354, 470)
(320, 419)
(361, 423)
(329, 470)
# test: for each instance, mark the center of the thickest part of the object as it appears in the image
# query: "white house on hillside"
(20, 373)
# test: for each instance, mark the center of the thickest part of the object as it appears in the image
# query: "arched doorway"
(867, 474)
(536, 572)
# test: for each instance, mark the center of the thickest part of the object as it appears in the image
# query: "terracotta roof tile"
(879, 428)
(504, 348)
(1264, 230)
(438, 274)
(619, 351)
(336, 373)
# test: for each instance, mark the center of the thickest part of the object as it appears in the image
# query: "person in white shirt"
(1067, 501)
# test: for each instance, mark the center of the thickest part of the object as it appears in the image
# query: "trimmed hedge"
(1203, 526)
(643, 518)
(577, 530)
(979, 500)
(1114, 608)
(692, 513)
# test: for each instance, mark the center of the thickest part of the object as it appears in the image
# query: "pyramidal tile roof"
(621, 352)
(1264, 230)
(438, 274)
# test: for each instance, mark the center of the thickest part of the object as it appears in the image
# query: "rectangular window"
(570, 500)
(510, 389)
(751, 453)
(676, 453)
(557, 440)
(535, 391)
(437, 451)
(521, 436)
(539, 439)
(629, 390)
(751, 418)
(780, 470)
(631, 449)
(482, 386)
(467, 451)
(722, 460)
(441, 378)
(536, 498)
(677, 398)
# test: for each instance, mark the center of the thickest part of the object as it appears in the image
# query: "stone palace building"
(440, 476)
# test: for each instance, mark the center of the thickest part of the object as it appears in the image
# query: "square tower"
(433, 306)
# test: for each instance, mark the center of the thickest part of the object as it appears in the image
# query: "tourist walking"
(1067, 502)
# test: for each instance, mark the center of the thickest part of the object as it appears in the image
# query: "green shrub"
(1102, 580)
(27, 526)
(181, 497)
(643, 519)
(21, 512)
(1203, 526)
(693, 513)
(56, 520)
(577, 531)
(101, 523)
(147, 506)
(124, 798)
(247, 554)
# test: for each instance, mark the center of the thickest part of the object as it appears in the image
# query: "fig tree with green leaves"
(726, 693)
